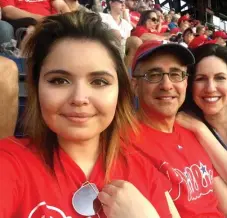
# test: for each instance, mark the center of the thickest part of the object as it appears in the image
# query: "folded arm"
(14, 13)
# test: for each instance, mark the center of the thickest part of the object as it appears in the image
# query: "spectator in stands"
(188, 36)
(207, 90)
(195, 41)
(200, 30)
(121, 27)
(183, 20)
(174, 22)
(208, 33)
(142, 6)
(172, 12)
(184, 25)
(28, 13)
(147, 27)
(160, 81)
(158, 11)
(195, 24)
(8, 97)
(165, 23)
(150, 4)
(78, 104)
(134, 15)
(220, 37)
(178, 33)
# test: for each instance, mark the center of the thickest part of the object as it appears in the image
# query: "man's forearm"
(60, 6)
(13, 13)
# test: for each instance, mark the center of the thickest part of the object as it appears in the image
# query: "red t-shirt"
(181, 158)
(140, 30)
(41, 7)
(29, 190)
(134, 17)
(165, 27)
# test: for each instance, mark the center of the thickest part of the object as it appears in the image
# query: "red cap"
(221, 34)
(157, 7)
(149, 47)
(200, 40)
(183, 18)
(175, 30)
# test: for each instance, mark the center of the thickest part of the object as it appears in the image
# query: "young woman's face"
(152, 21)
(210, 85)
(78, 89)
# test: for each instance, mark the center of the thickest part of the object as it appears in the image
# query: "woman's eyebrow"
(64, 72)
(61, 72)
(101, 73)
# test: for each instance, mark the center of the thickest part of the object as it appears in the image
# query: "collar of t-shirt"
(73, 172)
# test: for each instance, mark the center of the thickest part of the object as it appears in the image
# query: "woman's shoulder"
(20, 150)
(136, 161)
(12, 144)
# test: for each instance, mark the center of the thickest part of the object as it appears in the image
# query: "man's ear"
(134, 85)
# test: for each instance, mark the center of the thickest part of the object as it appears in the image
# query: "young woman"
(207, 99)
(79, 102)
(147, 27)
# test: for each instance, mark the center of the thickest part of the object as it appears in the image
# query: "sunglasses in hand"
(85, 200)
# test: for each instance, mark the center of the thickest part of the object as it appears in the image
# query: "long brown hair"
(76, 25)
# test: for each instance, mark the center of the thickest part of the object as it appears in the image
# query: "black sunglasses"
(85, 201)
(153, 19)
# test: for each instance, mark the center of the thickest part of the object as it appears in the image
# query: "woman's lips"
(78, 117)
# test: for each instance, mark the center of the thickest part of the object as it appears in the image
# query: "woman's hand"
(121, 199)
(190, 122)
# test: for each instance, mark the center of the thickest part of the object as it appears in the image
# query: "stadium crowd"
(126, 111)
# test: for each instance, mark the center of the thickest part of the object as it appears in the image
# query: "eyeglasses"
(156, 76)
(85, 201)
(153, 19)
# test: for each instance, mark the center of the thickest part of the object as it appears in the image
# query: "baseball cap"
(183, 18)
(148, 48)
(221, 34)
(200, 40)
(157, 7)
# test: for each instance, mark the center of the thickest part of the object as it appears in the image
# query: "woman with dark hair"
(79, 103)
(207, 100)
(147, 27)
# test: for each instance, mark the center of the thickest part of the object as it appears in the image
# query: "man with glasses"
(160, 81)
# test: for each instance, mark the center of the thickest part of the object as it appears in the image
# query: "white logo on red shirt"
(42, 210)
(196, 179)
